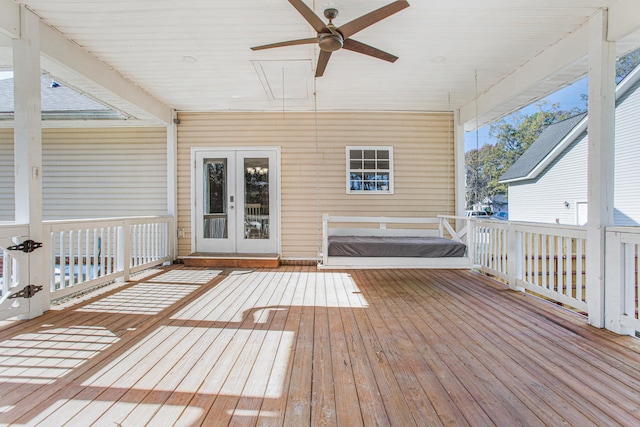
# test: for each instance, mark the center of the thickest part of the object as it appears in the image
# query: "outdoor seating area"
(299, 346)
(203, 224)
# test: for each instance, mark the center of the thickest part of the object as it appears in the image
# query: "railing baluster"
(636, 281)
(85, 262)
(569, 268)
(553, 267)
(529, 256)
(560, 265)
(72, 261)
(536, 264)
(631, 296)
(579, 270)
(543, 262)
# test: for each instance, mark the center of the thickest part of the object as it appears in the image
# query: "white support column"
(515, 260)
(458, 138)
(601, 137)
(172, 182)
(28, 152)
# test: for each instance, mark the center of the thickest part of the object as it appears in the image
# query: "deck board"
(297, 346)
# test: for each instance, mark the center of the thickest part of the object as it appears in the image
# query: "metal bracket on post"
(27, 246)
(26, 292)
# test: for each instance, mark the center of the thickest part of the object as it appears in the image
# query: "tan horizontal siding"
(423, 165)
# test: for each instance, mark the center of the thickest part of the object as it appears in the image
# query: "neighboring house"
(88, 172)
(58, 102)
(499, 203)
(495, 204)
(548, 183)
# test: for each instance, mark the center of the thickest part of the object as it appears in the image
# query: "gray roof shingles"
(55, 98)
(542, 146)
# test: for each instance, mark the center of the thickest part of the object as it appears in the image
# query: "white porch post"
(600, 161)
(459, 168)
(172, 182)
(28, 152)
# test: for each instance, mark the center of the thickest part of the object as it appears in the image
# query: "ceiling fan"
(331, 38)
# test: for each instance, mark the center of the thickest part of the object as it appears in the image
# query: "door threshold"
(232, 260)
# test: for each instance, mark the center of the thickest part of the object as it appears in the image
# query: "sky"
(568, 98)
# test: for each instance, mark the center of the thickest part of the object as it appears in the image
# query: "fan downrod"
(333, 40)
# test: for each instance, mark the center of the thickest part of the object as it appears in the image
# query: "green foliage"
(513, 135)
(626, 64)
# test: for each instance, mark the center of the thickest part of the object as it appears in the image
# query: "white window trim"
(388, 148)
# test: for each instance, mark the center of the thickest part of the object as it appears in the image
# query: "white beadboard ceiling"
(193, 55)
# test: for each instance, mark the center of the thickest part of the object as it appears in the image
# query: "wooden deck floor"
(296, 347)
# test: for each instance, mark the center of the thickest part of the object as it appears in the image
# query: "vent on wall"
(288, 81)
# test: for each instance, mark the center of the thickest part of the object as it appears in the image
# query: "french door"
(236, 193)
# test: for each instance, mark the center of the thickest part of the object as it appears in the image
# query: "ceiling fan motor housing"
(330, 42)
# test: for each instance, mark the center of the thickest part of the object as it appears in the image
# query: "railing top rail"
(74, 224)
(376, 220)
(536, 227)
(100, 220)
(619, 229)
(13, 229)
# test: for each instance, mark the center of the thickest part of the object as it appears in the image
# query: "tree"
(626, 64)
(513, 135)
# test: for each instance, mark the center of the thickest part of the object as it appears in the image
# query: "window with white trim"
(369, 170)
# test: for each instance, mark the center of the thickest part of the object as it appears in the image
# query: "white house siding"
(423, 164)
(627, 171)
(95, 173)
(6, 175)
(543, 200)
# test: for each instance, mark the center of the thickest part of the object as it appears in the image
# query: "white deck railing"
(546, 259)
(87, 253)
(623, 269)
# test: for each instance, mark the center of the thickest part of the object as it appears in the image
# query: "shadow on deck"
(294, 346)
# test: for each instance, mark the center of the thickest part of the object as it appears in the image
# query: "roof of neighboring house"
(541, 148)
(555, 138)
(58, 101)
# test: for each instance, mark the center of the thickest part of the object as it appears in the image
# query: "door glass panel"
(256, 198)
(215, 199)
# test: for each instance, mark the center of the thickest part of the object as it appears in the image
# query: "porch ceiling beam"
(562, 54)
(623, 19)
(78, 68)
(9, 19)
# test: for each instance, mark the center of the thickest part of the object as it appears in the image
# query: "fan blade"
(287, 43)
(356, 46)
(323, 59)
(309, 15)
(358, 24)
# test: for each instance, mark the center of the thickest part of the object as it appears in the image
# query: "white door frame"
(276, 219)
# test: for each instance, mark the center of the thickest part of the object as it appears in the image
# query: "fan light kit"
(331, 38)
